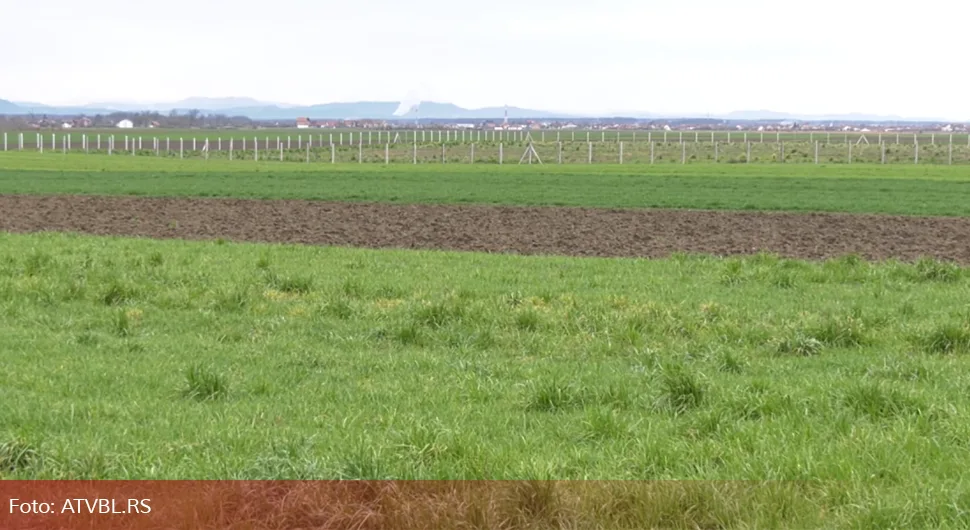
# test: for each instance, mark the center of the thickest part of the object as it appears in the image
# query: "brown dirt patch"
(562, 231)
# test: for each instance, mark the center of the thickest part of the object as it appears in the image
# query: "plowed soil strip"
(561, 231)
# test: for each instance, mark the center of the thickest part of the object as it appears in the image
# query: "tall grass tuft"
(945, 339)
(932, 270)
(117, 293)
(682, 390)
(290, 284)
(799, 344)
(202, 384)
(840, 332)
(552, 396)
(17, 455)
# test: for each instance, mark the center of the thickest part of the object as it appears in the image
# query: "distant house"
(125, 124)
(303, 123)
(66, 125)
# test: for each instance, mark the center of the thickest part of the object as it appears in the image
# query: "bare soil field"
(521, 230)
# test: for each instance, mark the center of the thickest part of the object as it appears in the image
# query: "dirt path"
(564, 231)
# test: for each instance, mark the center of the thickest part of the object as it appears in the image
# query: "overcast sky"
(697, 57)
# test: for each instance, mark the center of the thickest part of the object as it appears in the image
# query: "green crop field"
(167, 359)
(897, 189)
(838, 387)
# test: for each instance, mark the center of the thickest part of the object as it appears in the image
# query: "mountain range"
(389, 110)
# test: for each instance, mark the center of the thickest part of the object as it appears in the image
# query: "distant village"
(201, 121)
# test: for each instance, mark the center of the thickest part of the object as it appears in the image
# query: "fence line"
(546, 136)
(451, 148)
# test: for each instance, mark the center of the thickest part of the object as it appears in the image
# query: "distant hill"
(7, 107)
(385, 110)
(250, 108)
(765, 115)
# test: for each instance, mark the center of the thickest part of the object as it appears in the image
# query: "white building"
(125, 124)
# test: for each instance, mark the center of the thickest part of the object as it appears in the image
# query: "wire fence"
(392, 148)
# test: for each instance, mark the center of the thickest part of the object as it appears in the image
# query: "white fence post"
(5, 142)
(560, 151)
(230, 148)
(473, 153)
(333, 153)
(181, 148)
(590, 152)
(256, 148)
(621, 153)
(652, 144)
(387, 153)
(501, 153)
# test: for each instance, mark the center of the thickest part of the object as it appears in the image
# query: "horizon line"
(554, 114)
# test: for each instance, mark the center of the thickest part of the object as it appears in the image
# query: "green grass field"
(927, 190)
(166, 359)
(841, 386)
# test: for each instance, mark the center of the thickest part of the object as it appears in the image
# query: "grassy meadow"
(910, 189)
(138, 359)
